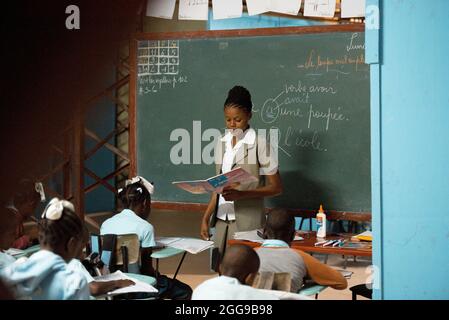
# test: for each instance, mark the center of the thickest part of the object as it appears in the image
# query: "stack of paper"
(165, 241)
(254, 236)
(15, 252)
(190, 245)
(139, 286)
(251, 235)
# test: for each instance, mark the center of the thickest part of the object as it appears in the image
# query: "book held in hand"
(216, 183)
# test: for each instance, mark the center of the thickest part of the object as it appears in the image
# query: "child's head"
(280, 225)
(136, 196)
(237, 108)
(60, 229)
(8, 226)
(240, 262)
(27, 197)
(83, 243)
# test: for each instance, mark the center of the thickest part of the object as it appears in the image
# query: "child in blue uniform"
(45, 275)
(8, 225)
(96, 288)
(136, 199)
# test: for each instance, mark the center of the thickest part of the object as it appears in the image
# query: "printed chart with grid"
(158, 57)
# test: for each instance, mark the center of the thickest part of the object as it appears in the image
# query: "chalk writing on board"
(197, 2)
(353, 45)
(328, 116)
(292, 94)
(299, 104)
(153, 84)
(296, 137)
(158, 57)
(315, 62)
(158, 66)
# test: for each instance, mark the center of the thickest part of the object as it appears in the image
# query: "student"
(241, 208)
(238, 270)
(5, 292)
(8, 226)
(96, 288)
(45, 275)
(276, 255)
(136, 199)
(24, 204)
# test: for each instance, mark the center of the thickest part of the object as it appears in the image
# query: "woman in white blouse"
(241, 207)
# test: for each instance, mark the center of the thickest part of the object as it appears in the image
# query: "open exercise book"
(216, 183)
(256, 236)
(190, 245)
(139, 286)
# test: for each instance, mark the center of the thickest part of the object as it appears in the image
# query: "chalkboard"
(313, 87)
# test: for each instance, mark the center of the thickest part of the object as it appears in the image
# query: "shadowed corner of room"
(51, 72)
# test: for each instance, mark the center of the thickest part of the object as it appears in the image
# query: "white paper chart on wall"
(158, 63)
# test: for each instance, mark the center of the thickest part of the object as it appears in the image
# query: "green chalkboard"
(313, 87)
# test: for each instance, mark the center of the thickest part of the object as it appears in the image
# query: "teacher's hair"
(239, 97)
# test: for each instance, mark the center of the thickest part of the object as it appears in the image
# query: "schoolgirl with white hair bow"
(136, 199)
(45, 275)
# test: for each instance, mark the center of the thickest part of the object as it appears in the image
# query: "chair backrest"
(120, 251)
(132, 245)
(95, 243)
(273, 281)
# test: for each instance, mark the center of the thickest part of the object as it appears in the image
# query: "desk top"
(308, 244)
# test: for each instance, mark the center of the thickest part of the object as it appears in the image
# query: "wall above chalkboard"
(310, 83)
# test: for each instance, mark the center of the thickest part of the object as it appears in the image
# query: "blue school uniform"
(45, 276)
(127, 222)
(77, 266)
(6, 260)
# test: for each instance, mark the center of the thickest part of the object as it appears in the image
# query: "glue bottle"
(321, 223)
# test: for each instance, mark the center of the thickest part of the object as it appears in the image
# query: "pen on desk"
(342, 242)
(336, 243)
(319, 243)
(329, 243)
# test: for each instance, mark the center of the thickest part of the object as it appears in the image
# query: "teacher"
(240, 207)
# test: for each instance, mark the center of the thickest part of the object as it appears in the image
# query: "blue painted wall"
(410, 150)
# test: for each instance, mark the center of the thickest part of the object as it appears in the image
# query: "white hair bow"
(40, 189)
(148, 185)
(55, 207)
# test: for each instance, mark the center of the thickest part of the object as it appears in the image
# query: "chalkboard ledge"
(303, 213)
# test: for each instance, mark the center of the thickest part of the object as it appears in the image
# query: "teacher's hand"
(231, 194)
(205, 230)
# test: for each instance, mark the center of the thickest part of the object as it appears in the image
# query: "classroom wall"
(100, 119)
(411, 150)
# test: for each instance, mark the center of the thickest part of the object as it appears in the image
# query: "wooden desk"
(308, 245)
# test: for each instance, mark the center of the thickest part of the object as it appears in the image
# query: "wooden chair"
(273, 281)
(122, 252)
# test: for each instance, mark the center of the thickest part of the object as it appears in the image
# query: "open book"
(139, 286)
(190, 245)
(256, 236)
(216, 183)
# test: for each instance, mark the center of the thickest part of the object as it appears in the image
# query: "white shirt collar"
(229, 280)
(275, 243)
(248, 137)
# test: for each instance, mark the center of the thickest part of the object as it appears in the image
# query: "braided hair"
(239, 97)
(53, 233)
(133, 195)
